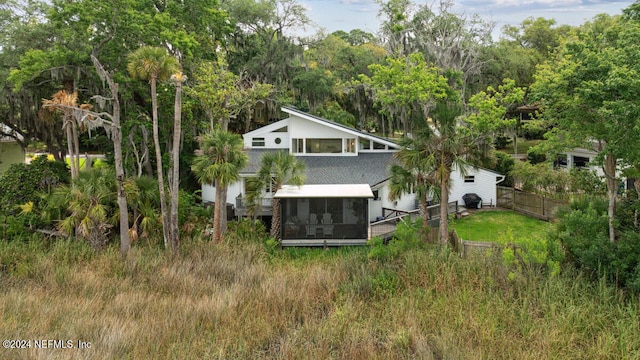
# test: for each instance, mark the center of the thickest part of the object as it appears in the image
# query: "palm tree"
(87, 203)
(219, 161)
(142, 195)
(155, 64)
(276, 169)
(65, 102)
(439, 146)
(410, 175)
(178, 78)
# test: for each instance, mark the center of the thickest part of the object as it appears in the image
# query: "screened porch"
(324, 215)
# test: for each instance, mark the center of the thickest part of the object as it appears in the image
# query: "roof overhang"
(325, 191)
(392, 145)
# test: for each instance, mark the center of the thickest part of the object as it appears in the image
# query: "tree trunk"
(424, 216)
(156, 142)
(275, 219)
(216, 214)
(175, 181)
(223, 211)
(116, 137)
(636, 185)
(612, 189)
(76, 145)
(72, 164)
(145, 151)
(444, 211)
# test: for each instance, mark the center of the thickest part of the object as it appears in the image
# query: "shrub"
(587, 181)
(246, 231)
(23, 183)
(582, 228)
(504, 165)
(406, 237)
(527, 256)
(534, 130)
(535, 156)
(501, 141)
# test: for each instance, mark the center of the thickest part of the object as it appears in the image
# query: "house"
(582, 158)
(347, 176)
(11, 152)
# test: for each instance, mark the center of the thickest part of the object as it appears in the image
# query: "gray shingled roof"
(366, 168)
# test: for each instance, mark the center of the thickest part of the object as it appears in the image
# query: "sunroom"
(324, 215)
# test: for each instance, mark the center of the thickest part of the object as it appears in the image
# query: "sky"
(346, 15)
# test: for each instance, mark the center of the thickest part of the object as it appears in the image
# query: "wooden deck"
(323, 242)
(387, 227)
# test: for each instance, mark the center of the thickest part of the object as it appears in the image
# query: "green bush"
(534, 130)
(504, 165)
(246, 230)
(534, 156)
(583, 230)
(527, 256)
(406, 237)
(587, 181)
(24, 183)
(501, 141)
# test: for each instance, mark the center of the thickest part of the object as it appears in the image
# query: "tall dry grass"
(236, 301)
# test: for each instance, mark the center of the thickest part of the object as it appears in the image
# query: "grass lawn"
(522, 146)
(492, 225)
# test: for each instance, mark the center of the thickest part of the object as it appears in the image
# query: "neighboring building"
(340, 158)
(581, 158)
(10, 150)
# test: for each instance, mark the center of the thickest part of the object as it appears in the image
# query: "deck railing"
(243, 204)
(387, 227)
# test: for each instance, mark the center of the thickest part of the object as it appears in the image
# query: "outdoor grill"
(472, 201)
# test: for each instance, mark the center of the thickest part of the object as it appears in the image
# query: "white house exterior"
(338, 155)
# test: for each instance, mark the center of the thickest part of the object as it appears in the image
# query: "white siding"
(209, 192)
(484, 185)
(301, 128)
(270, 141)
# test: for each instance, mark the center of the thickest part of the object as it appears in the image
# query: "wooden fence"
(466, 247)
(527, 203)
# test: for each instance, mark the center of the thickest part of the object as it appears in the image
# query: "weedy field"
(242, 300)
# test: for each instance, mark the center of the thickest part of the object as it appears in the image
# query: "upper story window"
(297, 146)
(323, 146)
(350, 145)
(258, 142)
(469, 179)
(580, 161)
(365, 144)
(378, 146)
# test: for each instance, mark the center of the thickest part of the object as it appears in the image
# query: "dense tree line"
(149, 83)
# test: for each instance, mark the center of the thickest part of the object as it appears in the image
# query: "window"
(365, 144)
(561, 161)
(257, 142)
(580, 162)
(297, 146)
(271, 186)
(278, 141)
(376, 194)
(469, 179)
(282, 129)
(378, 146)
(350, 145)
(323, 146)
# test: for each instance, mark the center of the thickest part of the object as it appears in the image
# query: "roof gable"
(267, 129)
(340, 127)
